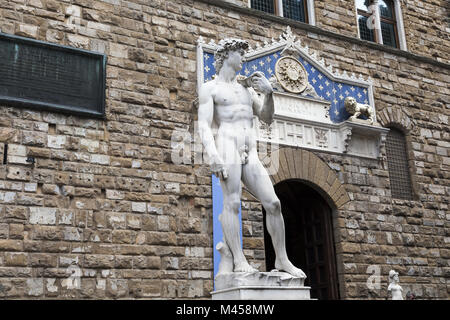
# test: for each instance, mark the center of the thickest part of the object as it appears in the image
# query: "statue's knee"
(233, 203)
(273, 206)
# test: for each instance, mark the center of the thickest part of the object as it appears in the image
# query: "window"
(399, 174)
(388, 23)
(295, 10)
(380, 21)
(299, 10)
(365, 20)
(263, 5)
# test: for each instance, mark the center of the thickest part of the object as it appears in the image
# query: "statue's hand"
(218, 168)
(260, 83)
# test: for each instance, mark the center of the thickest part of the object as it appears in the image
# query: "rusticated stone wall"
(105, 200)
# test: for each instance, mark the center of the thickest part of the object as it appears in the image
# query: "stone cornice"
(320, 31)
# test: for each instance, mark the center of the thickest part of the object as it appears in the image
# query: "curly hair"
(224, 47)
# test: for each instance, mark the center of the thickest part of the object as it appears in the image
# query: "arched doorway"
(309, 237)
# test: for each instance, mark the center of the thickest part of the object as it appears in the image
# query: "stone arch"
(306, 166)
(394, 116)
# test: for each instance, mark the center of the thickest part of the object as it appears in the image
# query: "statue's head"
(393, 276)
(350, 104)
(350, 101)
(226, 48)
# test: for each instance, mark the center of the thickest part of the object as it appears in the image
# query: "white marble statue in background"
(394, 287)
(229, 105)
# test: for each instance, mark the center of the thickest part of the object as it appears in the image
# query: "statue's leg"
(356, 115)
(257, 180)
(231, 189)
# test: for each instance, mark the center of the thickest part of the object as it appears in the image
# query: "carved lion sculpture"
(356, 109)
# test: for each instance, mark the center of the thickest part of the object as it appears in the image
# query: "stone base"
(364, 122)
(260, 286)
(262, 293)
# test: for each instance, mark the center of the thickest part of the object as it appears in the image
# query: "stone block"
(100, 159)
(43, 260)
(8, 134)
(114, 194)
(26, 30)
(40, 215)
(16, 259)
(149, 288)
(98, 261)
(16, 231)
(35, 287)
(19, 173)
(117, 288)
(33, 138)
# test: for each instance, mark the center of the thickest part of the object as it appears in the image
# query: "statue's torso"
(233, 113)
(396, 290)
(233, 104)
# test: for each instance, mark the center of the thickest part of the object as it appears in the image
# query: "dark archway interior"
(309, 237)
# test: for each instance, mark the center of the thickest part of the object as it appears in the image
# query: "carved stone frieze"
(321, 137)
(303, 122)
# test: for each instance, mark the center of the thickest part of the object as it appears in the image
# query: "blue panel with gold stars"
(326, 88)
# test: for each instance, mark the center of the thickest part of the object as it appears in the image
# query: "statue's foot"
(287, 266)
(244, 267)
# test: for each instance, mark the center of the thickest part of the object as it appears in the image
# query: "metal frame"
(309, 10)
(397, 21)
(74, 110)
(397, 157)
(392, 21)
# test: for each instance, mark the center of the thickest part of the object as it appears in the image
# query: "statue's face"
(235, 59)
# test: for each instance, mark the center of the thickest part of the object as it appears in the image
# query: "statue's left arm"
(263, 107)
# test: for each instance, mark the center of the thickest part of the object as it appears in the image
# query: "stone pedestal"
(260, 286)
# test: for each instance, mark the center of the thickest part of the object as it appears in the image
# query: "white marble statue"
(228, 105)
(357, 109)
(394, 287)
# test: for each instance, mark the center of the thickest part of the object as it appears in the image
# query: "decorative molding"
(302, 122)
(291, 74)
(288, 39)
(305, 122)
(346, 138)
(321, 137)
(363, 140)
(288, 44)
(288, 105)
(346, 135)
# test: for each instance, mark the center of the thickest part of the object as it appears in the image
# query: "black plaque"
(53, 77)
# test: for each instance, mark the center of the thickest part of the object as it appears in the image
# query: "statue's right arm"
(205, 119)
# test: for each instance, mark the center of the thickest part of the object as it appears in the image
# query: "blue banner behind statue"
(217, 227)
